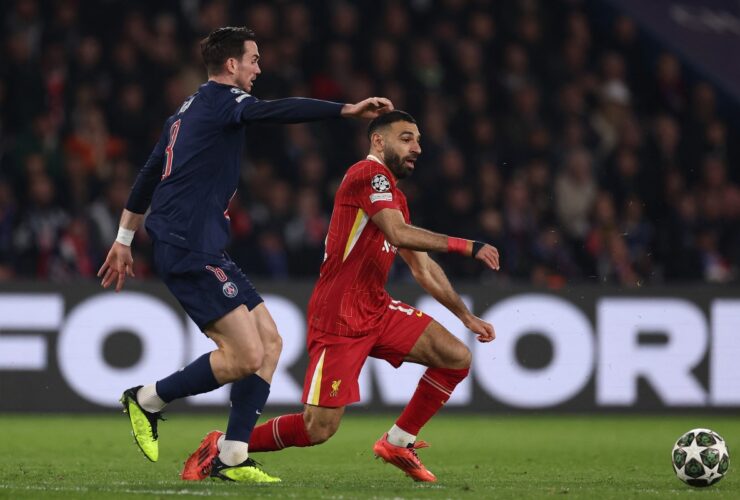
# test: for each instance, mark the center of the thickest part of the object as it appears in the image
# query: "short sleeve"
(373, 190)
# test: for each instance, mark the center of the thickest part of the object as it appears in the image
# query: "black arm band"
(477, 245)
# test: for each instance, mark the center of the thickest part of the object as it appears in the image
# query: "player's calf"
(322, 423)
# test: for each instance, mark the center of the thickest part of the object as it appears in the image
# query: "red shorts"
(335, 362)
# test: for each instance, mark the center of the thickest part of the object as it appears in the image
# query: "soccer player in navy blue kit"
(188, 181)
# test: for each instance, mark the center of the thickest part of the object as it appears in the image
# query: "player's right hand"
(370, 108)
(489, 255)
(118, 264)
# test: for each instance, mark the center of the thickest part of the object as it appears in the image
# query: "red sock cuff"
(280, 432)
(433, 391)
(446, 378)
(290, 430)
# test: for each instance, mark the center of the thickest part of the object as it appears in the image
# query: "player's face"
(401, 148)
(248, 68)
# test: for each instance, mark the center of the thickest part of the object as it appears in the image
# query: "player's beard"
(396, 164)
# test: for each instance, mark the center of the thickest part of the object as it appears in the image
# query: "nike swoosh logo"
(419, 313)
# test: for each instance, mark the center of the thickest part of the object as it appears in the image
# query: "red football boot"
(198, 465)
(405, 459)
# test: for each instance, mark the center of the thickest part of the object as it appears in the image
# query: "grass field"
(472, 456)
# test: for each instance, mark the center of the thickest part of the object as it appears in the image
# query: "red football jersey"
(350, 297)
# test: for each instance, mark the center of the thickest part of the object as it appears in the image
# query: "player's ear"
(231, 65)
(377, 140)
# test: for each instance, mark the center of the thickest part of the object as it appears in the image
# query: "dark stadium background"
(595, 143)
(561, 131)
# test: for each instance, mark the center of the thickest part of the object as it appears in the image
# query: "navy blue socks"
(248, 398)
(196, 378)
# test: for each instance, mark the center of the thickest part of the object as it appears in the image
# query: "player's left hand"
(487, 254)
(118, 264)
(483, 330)
(370, 108)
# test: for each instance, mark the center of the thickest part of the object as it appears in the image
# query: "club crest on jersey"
(230, 289)
(380, 183)
(335, 388)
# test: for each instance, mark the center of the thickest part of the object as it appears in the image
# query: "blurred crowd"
(546, 130)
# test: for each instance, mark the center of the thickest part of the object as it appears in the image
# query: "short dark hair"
(223, 43)
(386, 119)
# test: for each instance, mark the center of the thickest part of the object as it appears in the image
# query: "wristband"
(477, 245)
(125, 236)
(457, 245)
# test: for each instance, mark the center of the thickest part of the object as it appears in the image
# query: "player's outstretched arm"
(403, 235)
(370, 108)
(119, 262)
(245, 108)
(433, 279)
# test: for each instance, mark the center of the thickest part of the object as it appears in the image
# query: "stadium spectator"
(504, 85)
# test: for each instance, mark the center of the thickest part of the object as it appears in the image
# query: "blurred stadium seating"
(548, 130)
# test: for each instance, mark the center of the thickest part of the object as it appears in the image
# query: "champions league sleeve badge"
(380, 183)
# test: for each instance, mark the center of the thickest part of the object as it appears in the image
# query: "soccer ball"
(700, 457)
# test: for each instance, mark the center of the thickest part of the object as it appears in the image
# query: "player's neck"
(223, 79)
(377, 159)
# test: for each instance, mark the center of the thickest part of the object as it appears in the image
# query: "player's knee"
(461, 357)
(466, 358)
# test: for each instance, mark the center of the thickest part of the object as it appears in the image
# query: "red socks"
(280, 432)
(433, 391)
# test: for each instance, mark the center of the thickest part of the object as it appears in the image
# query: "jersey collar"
(378, 160)
(375, 159)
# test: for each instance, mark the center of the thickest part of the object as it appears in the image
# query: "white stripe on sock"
(276, 432)
(436, 385)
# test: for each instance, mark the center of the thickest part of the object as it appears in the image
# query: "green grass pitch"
(589, 457)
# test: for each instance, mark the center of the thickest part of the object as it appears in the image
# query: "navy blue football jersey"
(193, 172)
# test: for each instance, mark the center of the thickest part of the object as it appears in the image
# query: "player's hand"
(370, 108)
(483, 330)
(488, 255)
(118, 264)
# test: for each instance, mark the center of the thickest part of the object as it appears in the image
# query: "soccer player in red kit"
(352, 316)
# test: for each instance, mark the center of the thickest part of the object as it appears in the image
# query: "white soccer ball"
(700, 457)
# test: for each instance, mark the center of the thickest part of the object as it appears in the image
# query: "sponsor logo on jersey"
(381, 197)
(241, 95)
(230, 289)
(380, 183)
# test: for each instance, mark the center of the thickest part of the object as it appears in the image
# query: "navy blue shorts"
(207, 286)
